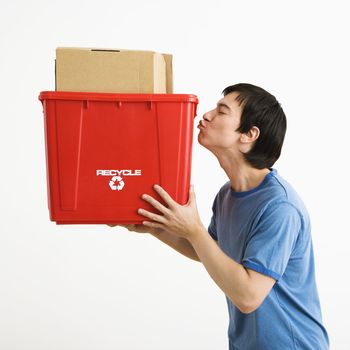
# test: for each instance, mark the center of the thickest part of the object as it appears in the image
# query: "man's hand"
(181, 220)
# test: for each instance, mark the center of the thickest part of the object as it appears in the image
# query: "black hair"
(260, 109)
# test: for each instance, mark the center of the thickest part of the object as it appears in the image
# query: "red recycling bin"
(104, 150)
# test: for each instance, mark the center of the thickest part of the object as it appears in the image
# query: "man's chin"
(200, 141)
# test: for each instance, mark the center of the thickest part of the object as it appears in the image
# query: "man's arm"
(246, 288)
(181, 245)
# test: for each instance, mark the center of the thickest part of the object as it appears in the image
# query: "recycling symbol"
(114, 180)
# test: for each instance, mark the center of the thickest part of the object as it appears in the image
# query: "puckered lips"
(201, 124)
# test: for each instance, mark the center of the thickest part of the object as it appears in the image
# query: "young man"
(258, 246)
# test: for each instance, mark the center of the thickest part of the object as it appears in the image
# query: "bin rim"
(116, 97)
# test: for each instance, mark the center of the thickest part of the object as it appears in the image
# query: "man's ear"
(251, 136)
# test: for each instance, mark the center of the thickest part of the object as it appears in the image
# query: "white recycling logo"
(119, 186)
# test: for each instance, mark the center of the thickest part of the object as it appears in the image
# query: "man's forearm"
(181, 245)
(231, 277)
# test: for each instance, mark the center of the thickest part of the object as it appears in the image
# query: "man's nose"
(208, 116)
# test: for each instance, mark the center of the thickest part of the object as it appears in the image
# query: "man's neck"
(242, 176)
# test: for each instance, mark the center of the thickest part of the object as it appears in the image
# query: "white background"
(94, 287)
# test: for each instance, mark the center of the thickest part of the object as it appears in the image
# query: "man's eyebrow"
(221, 104)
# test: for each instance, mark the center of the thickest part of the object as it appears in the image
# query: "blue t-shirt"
(267, 229)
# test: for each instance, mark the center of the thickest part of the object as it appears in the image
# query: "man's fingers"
(128, 226)
(165, 196)
(152, 216)
(154, 225)
(155, 204)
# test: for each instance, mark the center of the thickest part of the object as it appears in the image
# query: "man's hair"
(260, 109)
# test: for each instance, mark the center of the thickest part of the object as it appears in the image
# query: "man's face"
(218, 127)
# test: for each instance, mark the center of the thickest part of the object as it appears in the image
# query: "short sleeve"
(272, 240)
(212, 225)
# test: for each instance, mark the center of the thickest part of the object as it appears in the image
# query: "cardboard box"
(113, 70)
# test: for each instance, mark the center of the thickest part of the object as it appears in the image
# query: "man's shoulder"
(283, 189)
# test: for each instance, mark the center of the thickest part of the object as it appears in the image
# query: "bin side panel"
(175, 130)
(120, 138)
(169, 134)
(185, 165)
(51, 157)
(69, 126)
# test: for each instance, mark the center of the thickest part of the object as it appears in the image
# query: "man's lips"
(201, 124)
